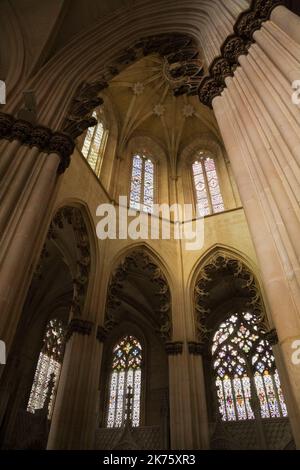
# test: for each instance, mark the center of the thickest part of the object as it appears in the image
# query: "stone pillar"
(74, 419)
(198, 396)
(179, 396)
(33, 156)
(260, 126)
(287, 21)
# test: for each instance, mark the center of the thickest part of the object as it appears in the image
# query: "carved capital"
(80, 326)
(21, 130)
(63, 145)
(196, 348)
(6, 123)
(233, 47)
(38, 136)
(209, 89)
(173, 348)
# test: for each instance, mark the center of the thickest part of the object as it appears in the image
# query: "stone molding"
(174, 348)
(80, 326)
(234, 46)
(195, 348)
(41, 137)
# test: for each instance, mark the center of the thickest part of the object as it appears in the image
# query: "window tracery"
(48, 368)
(94, 144)
(209, 199)
(245, 371)
(142, 184)
(126, 376)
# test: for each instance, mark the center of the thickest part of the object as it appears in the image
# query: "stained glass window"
(244, 367)
(48, 368)
(142, 184)
(125, 381)
(208, 194)
(94, 144)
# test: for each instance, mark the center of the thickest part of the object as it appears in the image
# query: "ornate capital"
(196, 348)
(272, 337)
(80, 326)
(174, 348)
(235, 45)
(38, 136)
(63, 145)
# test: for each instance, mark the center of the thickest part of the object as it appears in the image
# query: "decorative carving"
(73, 216)
(247, 285)
(235, 45)
(6, 123)
(63, 145)
(39, 136)
(21, 130)
(272, 337)
(79, 117)
(195, 348)
(138, 88)
(136, 258)
(174, 348)
(159, 110)
(182, 68)
(80, 326)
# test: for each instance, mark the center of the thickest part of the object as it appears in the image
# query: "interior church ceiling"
(144, 104)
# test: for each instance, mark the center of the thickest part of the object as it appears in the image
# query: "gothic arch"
(84, 52)
(88, 227)
(138, 261)
(201, 281)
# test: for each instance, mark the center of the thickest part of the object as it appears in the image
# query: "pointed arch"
(242, 268)
(139, 261)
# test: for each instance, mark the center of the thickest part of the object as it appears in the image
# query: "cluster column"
(74, 417)
(260, 126)
(32, 157)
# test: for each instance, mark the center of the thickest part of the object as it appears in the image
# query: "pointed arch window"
(48, 368)
(125, 380)
(142, 184)
(209, 198)
(246, 378)
(94, 143)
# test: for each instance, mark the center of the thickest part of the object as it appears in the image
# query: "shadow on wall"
(293, 5)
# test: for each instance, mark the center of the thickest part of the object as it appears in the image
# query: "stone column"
(74, 419)
(287, 21)
(179, 396)
(198, 396)
(33, 158)
(250, 89)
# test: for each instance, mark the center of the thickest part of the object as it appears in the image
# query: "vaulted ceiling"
(144, 104)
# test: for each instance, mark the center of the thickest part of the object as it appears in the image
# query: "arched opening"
(136, 327)
(57, 294)
(243, 388)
